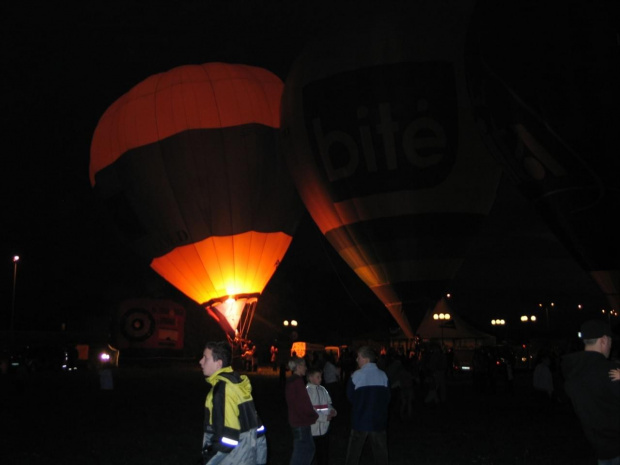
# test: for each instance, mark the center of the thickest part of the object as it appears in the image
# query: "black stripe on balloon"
(414, 294)
(422, 236)
(198, 184)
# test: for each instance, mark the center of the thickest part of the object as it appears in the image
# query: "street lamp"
(609, 313)
(15, 260)
(552, 304)
(292, 335)
(442, 318)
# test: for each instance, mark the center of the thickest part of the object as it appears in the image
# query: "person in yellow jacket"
(233, 432)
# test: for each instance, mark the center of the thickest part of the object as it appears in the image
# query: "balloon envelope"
(187, 165)
(381, 142)
(545, 77)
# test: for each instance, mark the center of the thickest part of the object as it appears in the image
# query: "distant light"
(533, 318)
(465, 368)
(285, 322)
(293, 322)
(104, 357)
(524, 318)
(16, 258)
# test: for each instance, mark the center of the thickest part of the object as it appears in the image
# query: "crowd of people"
(371, 382)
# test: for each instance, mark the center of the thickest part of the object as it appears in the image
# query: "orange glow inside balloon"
(218, 267)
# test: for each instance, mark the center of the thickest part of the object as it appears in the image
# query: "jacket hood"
(242, 382)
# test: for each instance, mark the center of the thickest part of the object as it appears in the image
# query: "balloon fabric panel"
(223, 266)
(212, 95)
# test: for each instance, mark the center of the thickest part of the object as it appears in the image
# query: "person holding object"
(301, 413)
(594, 395)
(322, 403)
(233, 432)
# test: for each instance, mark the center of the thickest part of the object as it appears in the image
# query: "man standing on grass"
(233, 433)
(369, 393)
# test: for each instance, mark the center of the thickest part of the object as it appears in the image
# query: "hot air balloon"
(186, 164)
(380, 139)
(545, 77)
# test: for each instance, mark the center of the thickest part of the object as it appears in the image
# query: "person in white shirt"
(322, 403)
(542, 381)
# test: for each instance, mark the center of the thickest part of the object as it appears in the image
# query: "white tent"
(453, 332)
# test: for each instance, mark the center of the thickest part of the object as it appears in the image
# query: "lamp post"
(609, 314)
(15, 260)
(552, 304)
(499, 322)
(442, 318)
(290, 335)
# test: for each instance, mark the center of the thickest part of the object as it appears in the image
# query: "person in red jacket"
(301, 413)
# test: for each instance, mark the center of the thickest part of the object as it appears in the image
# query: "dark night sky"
(63, 67)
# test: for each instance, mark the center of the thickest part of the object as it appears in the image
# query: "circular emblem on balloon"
(137, 324)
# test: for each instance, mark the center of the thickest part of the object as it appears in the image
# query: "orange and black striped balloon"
(381, 142)
(187, 164)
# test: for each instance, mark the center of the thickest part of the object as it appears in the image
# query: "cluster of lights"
(441, 316)
(526, 318)
(498, 322)
(289, 323)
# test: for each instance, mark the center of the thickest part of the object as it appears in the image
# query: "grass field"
(154, 416)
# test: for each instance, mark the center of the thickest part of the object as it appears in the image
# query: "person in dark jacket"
(594, 396)
(301, 413)
(233, 432)
(369, 393)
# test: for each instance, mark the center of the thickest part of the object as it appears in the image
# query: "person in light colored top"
(542, 379)
(369, 393)
(322, 403)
